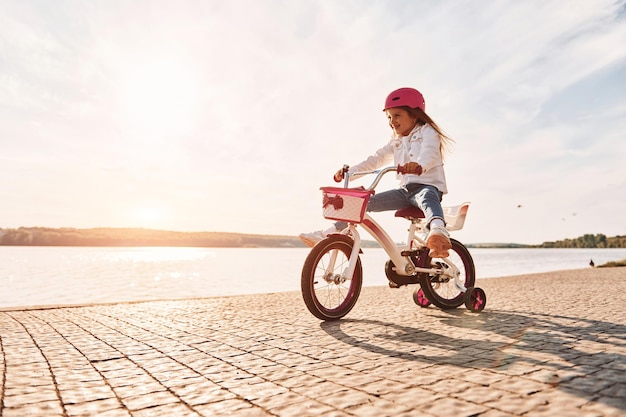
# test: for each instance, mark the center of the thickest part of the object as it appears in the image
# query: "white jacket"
(421, 146)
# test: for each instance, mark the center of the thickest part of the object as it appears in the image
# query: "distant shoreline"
(137, 237)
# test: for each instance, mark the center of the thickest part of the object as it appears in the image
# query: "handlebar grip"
(341, 174)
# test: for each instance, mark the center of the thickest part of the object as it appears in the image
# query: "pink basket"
(345, 204)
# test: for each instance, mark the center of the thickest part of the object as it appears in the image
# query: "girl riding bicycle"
(417, 144)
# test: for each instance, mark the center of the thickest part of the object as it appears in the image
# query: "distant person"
(418, 145)
(591, 263)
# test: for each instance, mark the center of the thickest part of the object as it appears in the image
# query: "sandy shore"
(547, 344)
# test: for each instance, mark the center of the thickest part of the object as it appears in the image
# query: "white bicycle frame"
(403, 264)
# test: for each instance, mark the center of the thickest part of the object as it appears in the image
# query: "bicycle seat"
(410, 213)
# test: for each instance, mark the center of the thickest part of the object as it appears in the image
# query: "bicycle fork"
(349, 271)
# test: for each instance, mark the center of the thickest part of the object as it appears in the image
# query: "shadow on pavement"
(579, 356)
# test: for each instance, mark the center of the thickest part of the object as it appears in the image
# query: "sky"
(228, 116)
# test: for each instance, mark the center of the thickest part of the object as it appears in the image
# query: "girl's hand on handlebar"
(410, 168)
(338, 177)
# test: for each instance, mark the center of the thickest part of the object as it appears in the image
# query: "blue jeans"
(425, 197)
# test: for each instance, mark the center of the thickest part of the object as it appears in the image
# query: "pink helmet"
(405, 97)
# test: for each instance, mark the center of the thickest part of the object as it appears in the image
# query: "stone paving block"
(453, 407)
(413, 397)
(347, 359)
(383, 386)
(423, 378)
(333, 373)
(380, 369)
(81, 392)
(319, 389)
(111, 407)
(139, 389)
(115, 364)
(522, 386)
(304, 380)
(166, 410)
(484, 377)
(616, 361)
(346, 399)
(336, 413)
(279, 372)
(251, 392)
(306, 408)
(249, 360)
(231, 407)
(479, 394)
(368, 366)
(272, 401)
(47, 409)
(36, 397)
(517, 404)
(611, 407)
(617, 390)
(451, 386)
(308, 365)
(379, 408)
(551, 377)
(588, 384)
(200, 394)
(18, 390)
(496, 413)
(149, 399)
(357, 379)
(233, 378)
(76, 373)
(548, 411)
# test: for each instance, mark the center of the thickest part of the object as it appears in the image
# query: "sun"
(159, 95)
(148, 216)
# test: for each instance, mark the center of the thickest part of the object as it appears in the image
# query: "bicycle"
(332, 274)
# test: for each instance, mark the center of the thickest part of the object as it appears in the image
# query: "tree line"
(588, 241)
(42, 236)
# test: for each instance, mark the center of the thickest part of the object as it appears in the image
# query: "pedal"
(409, 253)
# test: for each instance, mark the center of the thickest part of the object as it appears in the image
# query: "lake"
(76, 275)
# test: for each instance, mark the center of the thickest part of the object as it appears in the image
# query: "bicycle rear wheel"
(441, 290)
(327, 293)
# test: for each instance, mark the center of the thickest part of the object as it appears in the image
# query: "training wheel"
(475, 299)
(420, 298)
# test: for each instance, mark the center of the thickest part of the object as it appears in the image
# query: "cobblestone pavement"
(547, 344)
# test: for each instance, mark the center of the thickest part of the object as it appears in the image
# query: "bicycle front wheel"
(327, 292)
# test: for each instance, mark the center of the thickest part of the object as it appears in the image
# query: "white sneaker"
(438, 242)
(311, 239)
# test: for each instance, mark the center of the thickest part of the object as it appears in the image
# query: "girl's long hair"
(422, 119)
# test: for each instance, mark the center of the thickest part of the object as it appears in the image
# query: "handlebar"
(409, 168)
(379, 175)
